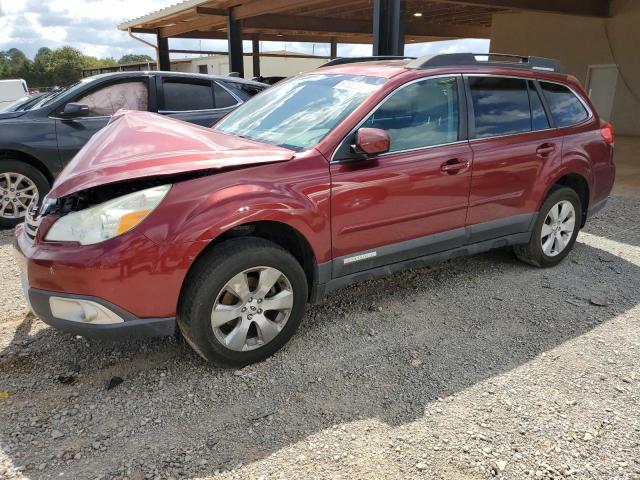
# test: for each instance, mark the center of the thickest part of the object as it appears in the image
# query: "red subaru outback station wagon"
(346, 173)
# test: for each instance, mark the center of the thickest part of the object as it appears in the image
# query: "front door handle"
(545, 150)
(453, 166)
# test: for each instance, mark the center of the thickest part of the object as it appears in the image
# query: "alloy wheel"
(17, 192)
(252, 308)
(557, 229)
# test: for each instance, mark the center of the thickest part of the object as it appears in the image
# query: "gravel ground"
(482, 367)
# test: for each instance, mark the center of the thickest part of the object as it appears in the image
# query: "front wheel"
(555, 230)
(242, 301)
(20, 185)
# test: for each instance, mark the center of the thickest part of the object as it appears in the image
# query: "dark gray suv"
(37, 141)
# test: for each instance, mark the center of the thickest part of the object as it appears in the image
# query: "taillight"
(607, 133)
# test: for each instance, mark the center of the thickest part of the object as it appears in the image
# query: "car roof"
(159, 73)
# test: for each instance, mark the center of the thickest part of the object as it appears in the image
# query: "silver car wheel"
(17, 192)
(558, 228)
(252, 308)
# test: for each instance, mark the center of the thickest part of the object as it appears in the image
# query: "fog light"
(84, 311)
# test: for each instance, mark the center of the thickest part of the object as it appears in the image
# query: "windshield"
(298, 113)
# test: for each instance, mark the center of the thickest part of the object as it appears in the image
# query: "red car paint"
(338, 208)
(142, 144)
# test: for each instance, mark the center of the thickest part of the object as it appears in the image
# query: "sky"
(91, 27)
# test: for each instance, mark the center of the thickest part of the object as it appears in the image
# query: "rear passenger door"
(199, 101)
(514, 145)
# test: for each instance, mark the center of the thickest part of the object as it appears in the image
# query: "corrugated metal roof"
(163, 12)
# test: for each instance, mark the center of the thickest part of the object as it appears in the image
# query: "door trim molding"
(452, 242)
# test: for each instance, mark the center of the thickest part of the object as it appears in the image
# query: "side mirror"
(74, 110)
(371, 141)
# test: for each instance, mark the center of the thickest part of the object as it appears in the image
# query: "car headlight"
(107, 220)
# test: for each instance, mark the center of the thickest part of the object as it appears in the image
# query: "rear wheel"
(20, 185)
(242, 301)
(555, 230)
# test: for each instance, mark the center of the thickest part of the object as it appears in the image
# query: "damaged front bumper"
(45, 275)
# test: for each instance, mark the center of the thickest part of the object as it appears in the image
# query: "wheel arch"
(10, 154)
(280, 233)
(578, 183)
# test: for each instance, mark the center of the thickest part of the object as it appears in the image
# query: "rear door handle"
(545, 150)
(454, 166)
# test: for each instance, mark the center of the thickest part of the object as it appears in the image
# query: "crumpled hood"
(142, 144)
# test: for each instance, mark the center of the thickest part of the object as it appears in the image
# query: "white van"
(12, 90)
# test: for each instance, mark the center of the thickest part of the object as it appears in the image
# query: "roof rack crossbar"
(346, 60)
(488, 59)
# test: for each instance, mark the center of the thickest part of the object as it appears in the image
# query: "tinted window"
(223, 98)
(421, 114)
(244, 90)
(108, 100)
(180, 96)
(565, 107)
(500, 106)
(538, 115)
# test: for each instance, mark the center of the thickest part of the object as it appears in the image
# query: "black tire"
(209, 276)
(10, 165)
(533, 253)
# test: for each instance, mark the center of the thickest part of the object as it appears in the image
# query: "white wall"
(269, 66)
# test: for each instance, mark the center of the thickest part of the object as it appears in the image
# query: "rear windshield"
(298, 113)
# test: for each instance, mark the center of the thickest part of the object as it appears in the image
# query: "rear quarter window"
(566, 108)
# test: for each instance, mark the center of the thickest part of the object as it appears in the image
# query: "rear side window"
(183, 96)
(245, 90)
(500, 106)
(419, 115)
(566, 108)
(223, 98)
(539, 120)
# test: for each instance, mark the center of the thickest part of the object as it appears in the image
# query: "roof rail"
(488, 59)
(345, 60)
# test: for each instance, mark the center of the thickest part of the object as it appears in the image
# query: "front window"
(421, 114)
(108, 100)
(298, 113)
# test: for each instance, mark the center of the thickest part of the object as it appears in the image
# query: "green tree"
(133, 58)
(40, 68)
(14, 64)
(65, 66)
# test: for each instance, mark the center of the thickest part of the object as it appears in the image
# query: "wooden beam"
(246, 54)
(590, 8)
(144, 30)
(219, 12)
(420, 28)
(200, 23)
(260, 7)
(290, 37)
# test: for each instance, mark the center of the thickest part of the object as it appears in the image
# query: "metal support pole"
(234, 35)
(388, 27)
(255, 42)
(334, 48)
(164, 62)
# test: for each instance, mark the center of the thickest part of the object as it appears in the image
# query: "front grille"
(32, 221)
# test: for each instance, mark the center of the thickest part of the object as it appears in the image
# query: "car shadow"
(381, 349)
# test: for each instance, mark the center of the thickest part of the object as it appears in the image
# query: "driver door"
(413, 200)
(103, 101)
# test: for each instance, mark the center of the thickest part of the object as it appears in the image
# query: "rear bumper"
(131, 327)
